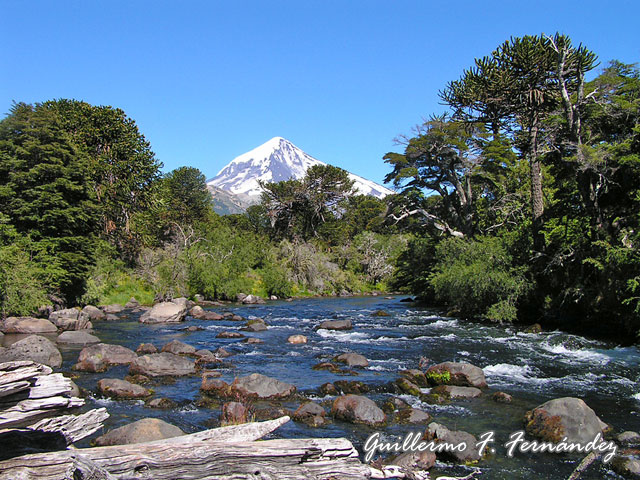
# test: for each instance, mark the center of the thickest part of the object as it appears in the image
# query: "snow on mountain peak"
(276, 160)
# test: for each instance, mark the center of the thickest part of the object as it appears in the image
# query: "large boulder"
(336, 325)
(179, 348)
(162, 364)
(94, 313)
(358, 409)
(252, 300)
(165, 312)
(202, 314)
(460, 374)
(77, 339)
(564, 417)
(97, 358)
(145, 430)
(352, 359)
(28, 325)
(117, 388)
(255, 325)
(70, 319)
(262, 387)
(34, 348)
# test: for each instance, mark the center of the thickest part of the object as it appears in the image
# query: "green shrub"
(477, 278)
(21, 288)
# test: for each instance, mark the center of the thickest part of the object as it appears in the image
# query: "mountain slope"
(275, 161)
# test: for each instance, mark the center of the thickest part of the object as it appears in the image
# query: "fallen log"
(312, 459)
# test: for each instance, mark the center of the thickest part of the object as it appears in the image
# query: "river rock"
(351, 386)
(222, 353)
(453, 391)
(161, 403)
(113, 308)
(252, 300)
(415, 461)
(179, 348)
(460, 374)
(262, 387)
(329, 389)
(564, 417)
(145, 430)
(132, 303)
(70, 319)
(310, 413)
(35, 348)
(297, 339)
(381, 313)
(97, 358)
(501, 397)
(336, 325)
(146, 348)
(408, 387)
(629, 439)
(234, 413)
(230, 335)
(93, 313)
(113, 387)
(358, 409)
(165, 312)
(440, 433)
(206, 356)
(393, 404)
(162, 364)
(256, 325)
(77, 338)
(352, 360)
(415, 376)
(28, 325)
(213, 385)
(413, 415)
(626, 465)
(202, 314)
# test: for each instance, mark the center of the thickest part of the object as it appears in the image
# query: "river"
(533, 368)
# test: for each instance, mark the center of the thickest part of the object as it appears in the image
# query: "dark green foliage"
(477, 278)
(185, 195)
(46, 196)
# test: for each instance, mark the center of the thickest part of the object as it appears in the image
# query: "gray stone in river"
(453, 391)
(94, 313)
(114, 387)
(461, 374)
(77, 338)
(263, 387)
(358, 409)
(336, 325)
(28, 325)
(179, 348)
(564, 417)
(97, 358)
(165, 312)
(35, 348)
(162, 364)
(352, 359)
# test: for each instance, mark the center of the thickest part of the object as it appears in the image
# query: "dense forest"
(519, 202)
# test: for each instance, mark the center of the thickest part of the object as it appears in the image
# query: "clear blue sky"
(207, 81)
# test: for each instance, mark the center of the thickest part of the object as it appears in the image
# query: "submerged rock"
(34, 348)
(145, 430)
(358, 409)
(162, 364)
(501, 397)
(564, 417)
(75, 338)
(28, 325)
(97, 358)
(230, 335)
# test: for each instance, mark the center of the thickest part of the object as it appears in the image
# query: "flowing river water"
(533, 368)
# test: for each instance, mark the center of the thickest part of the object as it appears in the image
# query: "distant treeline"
(521, 202)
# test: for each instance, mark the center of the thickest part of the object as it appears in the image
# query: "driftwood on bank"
(266, 460)
(30, 391)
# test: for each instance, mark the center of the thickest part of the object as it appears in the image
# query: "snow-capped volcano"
(275, 161)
